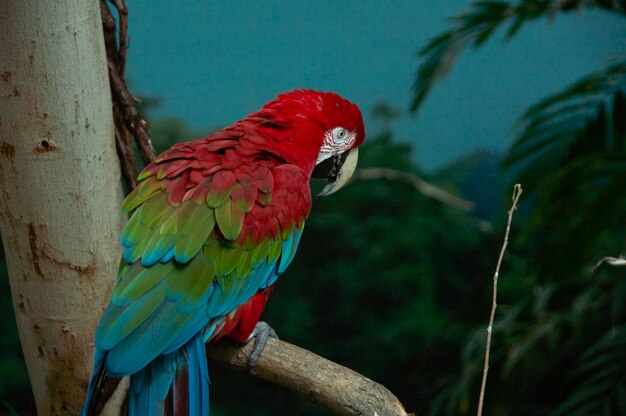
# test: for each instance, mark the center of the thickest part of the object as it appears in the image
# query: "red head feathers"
(306, 127)
(317, 131)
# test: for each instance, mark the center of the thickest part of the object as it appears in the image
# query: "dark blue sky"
(213, 62)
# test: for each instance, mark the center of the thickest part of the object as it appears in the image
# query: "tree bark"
(60, 189)
(343, 391)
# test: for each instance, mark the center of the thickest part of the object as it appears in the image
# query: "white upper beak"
(346, 171)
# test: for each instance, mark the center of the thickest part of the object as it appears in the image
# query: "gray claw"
(261, 332)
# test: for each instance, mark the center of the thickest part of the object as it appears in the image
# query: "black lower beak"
(330, 168)
(337, 170)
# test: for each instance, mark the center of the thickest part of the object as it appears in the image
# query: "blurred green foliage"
(560, 346)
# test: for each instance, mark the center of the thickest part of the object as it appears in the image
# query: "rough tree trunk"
(59, 189)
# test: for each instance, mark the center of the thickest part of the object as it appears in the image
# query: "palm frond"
(476, 25)
(601, 378)
(586, 120)
(571, 151)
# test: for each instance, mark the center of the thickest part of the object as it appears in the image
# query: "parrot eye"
(339, 134)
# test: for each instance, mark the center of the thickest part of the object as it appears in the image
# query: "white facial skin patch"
(336, 141)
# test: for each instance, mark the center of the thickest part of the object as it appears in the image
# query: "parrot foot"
(261, 332)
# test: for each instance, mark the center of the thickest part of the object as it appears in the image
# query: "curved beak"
(338, 169)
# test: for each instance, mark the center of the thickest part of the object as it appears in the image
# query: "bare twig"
(338, 388)
(612, 261)
(421, 185)
(427, 189)
(517, 192)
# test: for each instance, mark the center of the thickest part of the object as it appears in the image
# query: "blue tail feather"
(93, 382)
(150, 386)
(198, 377)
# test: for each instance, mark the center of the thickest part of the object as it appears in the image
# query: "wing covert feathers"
(209, 229)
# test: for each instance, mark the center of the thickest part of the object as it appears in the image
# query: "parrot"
(214, 222)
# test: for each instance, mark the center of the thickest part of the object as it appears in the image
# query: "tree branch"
(421, 185)
(517, 192)
(612, 261)
(426, 188)
(343, 391)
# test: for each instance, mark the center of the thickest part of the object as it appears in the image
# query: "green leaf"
(477, 25)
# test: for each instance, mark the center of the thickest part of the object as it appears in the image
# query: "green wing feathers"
(198, 244)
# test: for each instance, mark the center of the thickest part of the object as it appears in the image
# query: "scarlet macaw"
(214, 223)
